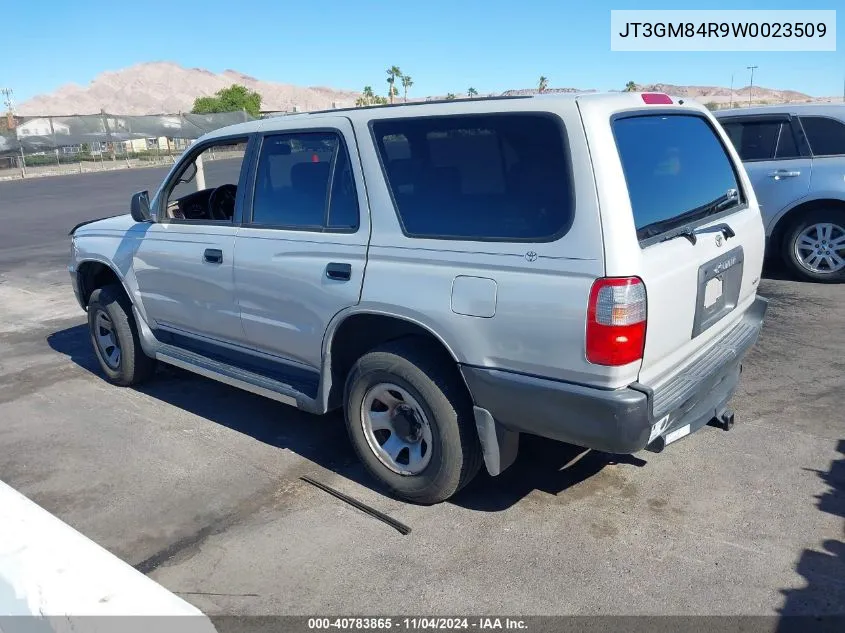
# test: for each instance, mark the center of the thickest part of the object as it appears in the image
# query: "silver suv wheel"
(107, 342)
(396, 429)
(820, 248)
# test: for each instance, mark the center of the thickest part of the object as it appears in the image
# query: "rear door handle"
(340, 271)
(213, 256)
(784, 173)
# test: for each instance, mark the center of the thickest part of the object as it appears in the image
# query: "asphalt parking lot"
(197, 484)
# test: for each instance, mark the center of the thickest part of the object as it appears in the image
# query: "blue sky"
(446, 46)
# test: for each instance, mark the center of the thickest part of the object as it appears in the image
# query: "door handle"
(213, 256)
(339, 271)
(784, 173)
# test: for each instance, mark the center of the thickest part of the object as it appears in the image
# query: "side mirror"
(140, 207)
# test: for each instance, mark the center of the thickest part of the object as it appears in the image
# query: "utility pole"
(9, 102)
(751, 88)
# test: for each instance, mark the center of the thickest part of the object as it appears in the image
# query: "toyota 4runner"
(451, 275)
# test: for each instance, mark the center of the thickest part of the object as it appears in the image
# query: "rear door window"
(502, 177)
(304, 181)
(826, 135)
(754, 140)
(676, 169)
(762, 140)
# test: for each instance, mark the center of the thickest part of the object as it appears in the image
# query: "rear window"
(676, 169)
(478, 177)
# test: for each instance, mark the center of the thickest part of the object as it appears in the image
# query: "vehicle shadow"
(820, 605)
(544, 465)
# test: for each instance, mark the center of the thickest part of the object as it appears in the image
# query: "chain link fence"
(47, 145)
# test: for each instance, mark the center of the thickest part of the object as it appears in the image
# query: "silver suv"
(450, 275)
(795, 157)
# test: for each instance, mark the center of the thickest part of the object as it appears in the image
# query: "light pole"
(751, 87)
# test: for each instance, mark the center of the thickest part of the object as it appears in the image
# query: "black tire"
(134, 366)
(433, 381)
(831, 216)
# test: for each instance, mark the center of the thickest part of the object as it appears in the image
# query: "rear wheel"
(410, 420)
(814, 246)
(114, 336)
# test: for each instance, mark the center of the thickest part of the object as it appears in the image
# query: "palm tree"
(630, 87)
(407, 82)
(392, 74)
(367, 97)
(472, 92)
(543, 84)
(451, 95)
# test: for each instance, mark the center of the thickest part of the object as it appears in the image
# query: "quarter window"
(478, 177)
(304, 181)
(826, 136)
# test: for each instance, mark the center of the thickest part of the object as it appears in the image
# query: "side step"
(234, 376)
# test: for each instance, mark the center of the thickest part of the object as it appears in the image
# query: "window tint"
(500, 177)
(787, 147)
(753, 140)
(673, 165)
(826, 136)
(294, 176)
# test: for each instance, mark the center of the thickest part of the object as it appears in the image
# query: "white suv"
(451, 275)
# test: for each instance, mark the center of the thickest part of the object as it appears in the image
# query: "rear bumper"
(621, 420)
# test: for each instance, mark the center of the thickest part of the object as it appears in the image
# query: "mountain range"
(166, 87)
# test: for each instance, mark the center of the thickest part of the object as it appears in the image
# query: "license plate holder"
(719, 283)
(713, 291)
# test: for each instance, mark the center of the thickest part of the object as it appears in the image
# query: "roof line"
(417, 103)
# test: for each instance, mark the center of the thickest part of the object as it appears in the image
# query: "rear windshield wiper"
(686, 232)
(725, 201)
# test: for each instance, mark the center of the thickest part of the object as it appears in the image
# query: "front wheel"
(410, 420)
(114, 336)
(814, 246)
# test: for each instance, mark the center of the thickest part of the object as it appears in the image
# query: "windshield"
(676, 169)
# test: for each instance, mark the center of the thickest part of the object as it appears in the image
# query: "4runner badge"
(531, 256)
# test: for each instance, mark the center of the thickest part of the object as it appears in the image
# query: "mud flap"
(499, 445)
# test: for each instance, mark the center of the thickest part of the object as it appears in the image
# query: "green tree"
(366, 98)
(451, 95)
(407, 82)
(472, 92)
(630, 87)
(543, 84)
(393, 73)
(231, 99)
(711, 105)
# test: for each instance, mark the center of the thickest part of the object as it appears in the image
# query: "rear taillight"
(616, 321)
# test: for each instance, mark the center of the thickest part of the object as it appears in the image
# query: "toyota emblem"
(719, 239)
(531, 256)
